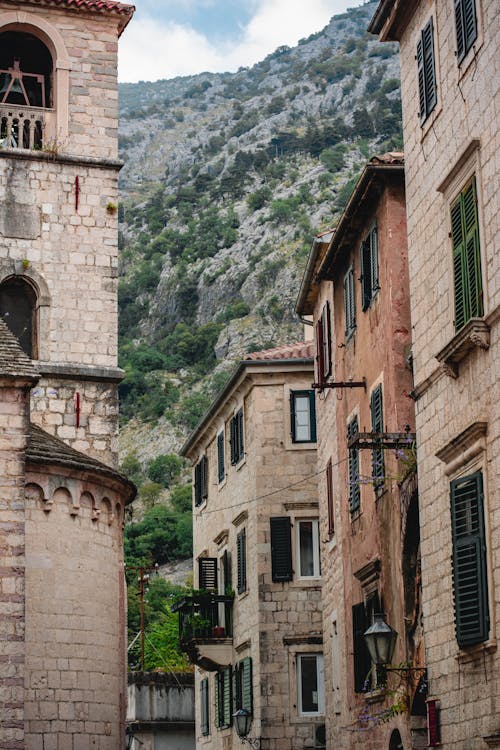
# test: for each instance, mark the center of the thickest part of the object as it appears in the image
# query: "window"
(18, 309)
(427, 88)
(466, 26)
(237, 438)
(466, 256)
(281, 549)
(204, 708)
(243, 685)
(303, 416)
(201, 481)
(25, 70)
(470, 582)
(362, 618)
(310, 688)
(308, 557)
(369, 268)
(349, 303)
(241, 553)
(223, 698)
(378, 468)
(329, 498)
(354, 488)
(221, 463)
(324, 344)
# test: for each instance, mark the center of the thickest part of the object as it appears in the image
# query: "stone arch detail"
(15, 270)
(51, 37)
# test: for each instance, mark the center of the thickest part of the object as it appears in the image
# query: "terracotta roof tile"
(46, 449)
(301, 350)
(391, 157)
(124, 10)
(14, 363)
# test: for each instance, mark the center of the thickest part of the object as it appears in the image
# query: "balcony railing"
(204, 617)
(24, 127)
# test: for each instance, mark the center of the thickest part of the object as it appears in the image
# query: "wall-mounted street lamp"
(242, 720)
(380, 640)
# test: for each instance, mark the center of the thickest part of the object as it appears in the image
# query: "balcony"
(206, 629)
(23, 127)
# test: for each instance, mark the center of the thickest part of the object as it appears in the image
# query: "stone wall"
(459, 138)
(75, 673)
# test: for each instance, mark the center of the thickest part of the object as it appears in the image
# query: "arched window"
(18, 303)
(396, 743)
(26, 70)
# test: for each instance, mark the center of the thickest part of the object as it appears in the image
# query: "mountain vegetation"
(227, 179)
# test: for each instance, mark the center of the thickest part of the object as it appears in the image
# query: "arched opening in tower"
(26, 70)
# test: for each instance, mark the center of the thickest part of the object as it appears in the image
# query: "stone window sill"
(474, 335)
(493, 740)
(377, 695)
(472, 654)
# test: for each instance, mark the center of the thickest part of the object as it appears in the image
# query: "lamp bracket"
(253, 742)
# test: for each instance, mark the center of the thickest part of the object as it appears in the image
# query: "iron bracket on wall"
(389, 440)
(341, 384)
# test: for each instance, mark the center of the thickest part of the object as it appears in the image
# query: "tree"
(165, 469)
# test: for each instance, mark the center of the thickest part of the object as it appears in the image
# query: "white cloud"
(150, 49)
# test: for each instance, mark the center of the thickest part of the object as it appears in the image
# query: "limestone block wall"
(13, 432)
(75, 627)
(459, 139)
(271, 620)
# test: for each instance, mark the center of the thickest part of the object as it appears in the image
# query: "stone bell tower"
(62, 596)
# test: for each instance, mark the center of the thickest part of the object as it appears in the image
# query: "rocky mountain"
(227, 179)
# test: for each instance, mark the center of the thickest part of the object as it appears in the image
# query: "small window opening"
(18, 309)
(26, 69)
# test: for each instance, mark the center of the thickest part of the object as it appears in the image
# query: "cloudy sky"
(168, 38)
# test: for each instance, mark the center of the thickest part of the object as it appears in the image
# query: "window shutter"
(293, 416)
(467, 276)
(374, 260)
(377, 415)
(362, 661)
(429, 67)
(241, 544)
(281, 549)
(226, 697)
(320, 352)
(459, 25)
(218, 702)
(204, 477)
(197, 484)
(221, 469)
(240, 426)
(329, 496)
(354, 487)
(421, 80)
(326, 341)
(349, 308)
(312, 415)
(204, 706)
(207, 573)
(458, 264)
(246, 684)
(226, 567)
(470, 581)
(232, 440)
(366, 281)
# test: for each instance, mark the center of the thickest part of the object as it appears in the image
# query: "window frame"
(324, 344)
(315, 549)
(30, 322)
(320, 677)
(310, 395)
(243, 685)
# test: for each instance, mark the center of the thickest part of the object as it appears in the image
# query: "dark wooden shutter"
(349, 306)
(329, 498)
(221, 469)
(204, 477)
(217, 699)
(377, 414)
(366, 278)
(241, 553)
(460, 29)
(204, 708)
(227, 571)
(197, 485)
(470, 581)
(312, 415)
(361, 656)
(232, 440)
(426, 71)
(354, 486)
(241, 435)
(466, 26)
(327, 340)
(293, 423)
(207, 573)
(320, 352)
(374, 260)
(281, 549)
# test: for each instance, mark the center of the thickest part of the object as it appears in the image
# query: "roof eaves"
(308, 276)
(390, 17)
(358, 196)
(124, 10)
(239, 375)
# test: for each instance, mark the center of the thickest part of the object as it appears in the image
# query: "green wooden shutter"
(467, 276)
(221, 469)
(377, 415)
(207, 573)
(226, 697)
(217, 699)
(281, 549)
(374, 261)
(246, 684)
(429, 67)
(232, 440)
(204, 477)
(354, 486)
(366, 280)
(361, 656)
(239, 431)
(293, 423)
(326, 341)
(349, 307)
(241, 553)
(470, 582)
(204, 708)
(470, 23)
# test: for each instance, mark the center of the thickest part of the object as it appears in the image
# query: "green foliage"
(237, 309)
(333, 158)
(259, 198)
(188, 346)
(132, 469)
(181, 498)
(165, 469)
(150, 493)
(162, 536)
(192, 408)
